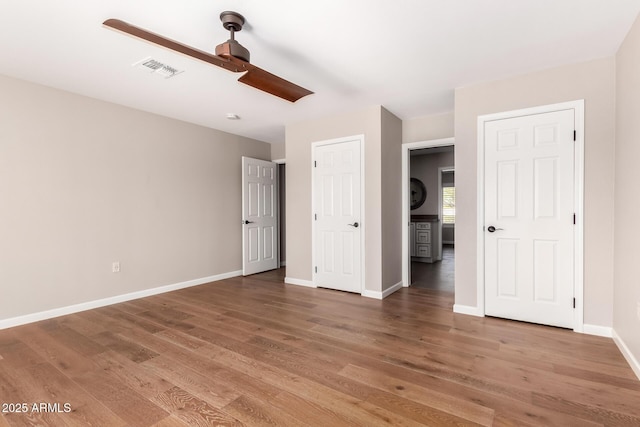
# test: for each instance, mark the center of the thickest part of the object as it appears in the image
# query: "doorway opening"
(429, 214)
(282, 214)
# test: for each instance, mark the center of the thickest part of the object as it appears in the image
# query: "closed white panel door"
(529, 208)
(337, 219)
(259, 216)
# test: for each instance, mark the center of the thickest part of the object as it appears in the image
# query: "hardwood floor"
(253, 351)
(438, 275)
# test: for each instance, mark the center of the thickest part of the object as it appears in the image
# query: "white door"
(337, 216)
(529, 218)
(259, 216)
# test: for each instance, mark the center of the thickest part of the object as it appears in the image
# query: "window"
(448, 205)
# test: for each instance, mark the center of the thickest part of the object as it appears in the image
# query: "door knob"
(247, 222)
(492, 229)
(355, 224)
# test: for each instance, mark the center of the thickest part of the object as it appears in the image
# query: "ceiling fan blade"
(254, 76)
(270, 83)
(159, 40)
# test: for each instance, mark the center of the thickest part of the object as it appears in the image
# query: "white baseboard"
(601, 331)
(371, 294)
(392, 289)
(383, 294)
(467, 309)
(299, 282)
(633, 362)
(75, 308)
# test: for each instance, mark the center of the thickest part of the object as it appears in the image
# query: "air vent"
(157, 67)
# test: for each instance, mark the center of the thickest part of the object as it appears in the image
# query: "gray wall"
(277, 151)
(85, 183)
(425, 168)
(593, 81)
(627, 204)
(391, 176)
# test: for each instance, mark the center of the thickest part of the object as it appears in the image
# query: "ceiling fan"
(230, 55)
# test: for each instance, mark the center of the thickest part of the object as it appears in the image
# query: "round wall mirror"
(417, 193)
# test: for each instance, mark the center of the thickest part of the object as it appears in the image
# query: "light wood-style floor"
(253, 351)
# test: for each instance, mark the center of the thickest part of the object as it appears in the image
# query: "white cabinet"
(425, 241)
(423, 251)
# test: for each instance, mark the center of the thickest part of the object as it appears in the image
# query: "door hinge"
(316, 269)
(574, 303)
(315, 216)
(575, 135)
(315, 164)
(574, 219)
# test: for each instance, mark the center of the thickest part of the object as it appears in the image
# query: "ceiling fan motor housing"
(233, 48)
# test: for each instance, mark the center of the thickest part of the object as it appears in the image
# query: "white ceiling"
(407, 55)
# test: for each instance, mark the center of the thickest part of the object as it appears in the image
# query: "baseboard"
(75, 308)
(372, 294)
(601, 331)
(467, 309)
(631, 359)
(382, 295)
(299, 282)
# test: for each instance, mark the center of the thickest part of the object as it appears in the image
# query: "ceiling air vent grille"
(157, 67)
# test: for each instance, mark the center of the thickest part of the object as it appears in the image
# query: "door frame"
(407, 147)
(280, 162)
(363, 222)
(578, 240)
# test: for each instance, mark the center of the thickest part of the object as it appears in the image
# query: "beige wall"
(85, 183)
(425, 128)
(593, 81)
(277, 150)
(627, 204)
(299, 137)
(391, 199)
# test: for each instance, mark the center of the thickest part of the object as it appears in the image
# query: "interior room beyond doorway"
(432, 218)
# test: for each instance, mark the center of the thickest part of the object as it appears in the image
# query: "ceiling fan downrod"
(232, 21)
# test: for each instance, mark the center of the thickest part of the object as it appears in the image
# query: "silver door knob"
(492, 229)
(247, 222)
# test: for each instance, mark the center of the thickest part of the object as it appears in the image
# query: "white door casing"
(531, 247)
(407, 147)
(259, 216)
(337, 214)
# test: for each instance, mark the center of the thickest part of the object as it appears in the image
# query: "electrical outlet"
(115, 267)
